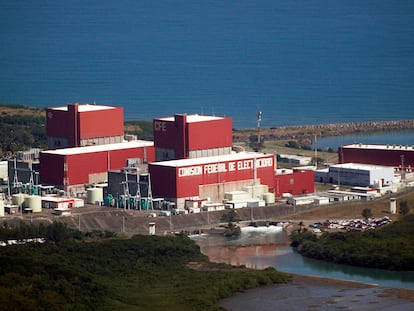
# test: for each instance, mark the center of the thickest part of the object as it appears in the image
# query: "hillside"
(21, 128)
(18, 110)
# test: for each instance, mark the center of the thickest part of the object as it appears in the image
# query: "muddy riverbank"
(315, 293)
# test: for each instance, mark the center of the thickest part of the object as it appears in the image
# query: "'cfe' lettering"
(160, 126)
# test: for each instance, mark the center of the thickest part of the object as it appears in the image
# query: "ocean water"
(299, 62)
(403, 137)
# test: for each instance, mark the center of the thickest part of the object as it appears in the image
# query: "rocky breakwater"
(308, 132)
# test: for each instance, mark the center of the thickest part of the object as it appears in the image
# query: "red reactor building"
(386, 155)
(191, 136)
(77, 125)
(294, 181)
(178, 180)
(73, 168)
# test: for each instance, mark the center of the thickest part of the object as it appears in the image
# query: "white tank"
(94, 195)
(18, 199)
(34, 202)
(1, 208)
(269, 198)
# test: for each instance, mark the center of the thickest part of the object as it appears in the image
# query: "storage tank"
(269, 198)
(1, 208)
(34, 202)
(94, 195)
(18, 199)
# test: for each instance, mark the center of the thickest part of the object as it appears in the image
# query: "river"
(261, 248)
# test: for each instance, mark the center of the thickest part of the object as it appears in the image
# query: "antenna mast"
(316, 153)
(259, 119)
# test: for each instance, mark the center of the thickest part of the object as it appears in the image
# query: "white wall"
(4, 170)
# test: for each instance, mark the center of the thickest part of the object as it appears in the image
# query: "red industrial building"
(210, 177)
(386, 155)
(72, 168)
(191, 156)
(77, 125)
(191, 136)
(294, 182)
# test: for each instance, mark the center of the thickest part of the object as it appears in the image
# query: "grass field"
(279, 147)
(10, 110)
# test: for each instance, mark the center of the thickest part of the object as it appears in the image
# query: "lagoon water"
(261, 249)
(404, 137)
(299, 62)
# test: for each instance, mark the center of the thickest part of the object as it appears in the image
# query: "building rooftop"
(295, 157)
(193, 118)
(360, 166)
(100, 148)
(56, 199)
(380, 147)
(85, 107)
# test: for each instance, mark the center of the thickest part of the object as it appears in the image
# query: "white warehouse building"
(356, 174)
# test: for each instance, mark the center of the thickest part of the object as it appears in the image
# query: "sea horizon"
(299, 63)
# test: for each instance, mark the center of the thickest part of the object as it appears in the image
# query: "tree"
(292, 144)
(301, 225)
(56, 232)
(366, 213)
(256, 142)
(404, 208)
(317, 160)
(231, 218)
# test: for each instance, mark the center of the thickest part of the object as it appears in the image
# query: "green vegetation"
(97, 271)
(231, 218)
(366, 213)
(142, 129)
(21, 128)
(391, 247)
(256, 142)
(404, 208)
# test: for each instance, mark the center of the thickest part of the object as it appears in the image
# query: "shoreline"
(320, 293)
(323, 130)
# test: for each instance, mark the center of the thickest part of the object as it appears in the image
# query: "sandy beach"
(314, 293)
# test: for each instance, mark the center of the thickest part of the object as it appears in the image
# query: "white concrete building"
(356, 174)
(295, 159)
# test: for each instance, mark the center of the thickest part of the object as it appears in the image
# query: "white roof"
(212, 159)
(361, 166)
(380, 147)
(100, 148)
(294, 157)
(193, 118)
(56, 199)
(342, 193)
(85, 107)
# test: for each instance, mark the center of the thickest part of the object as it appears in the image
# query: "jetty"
(323, 130)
